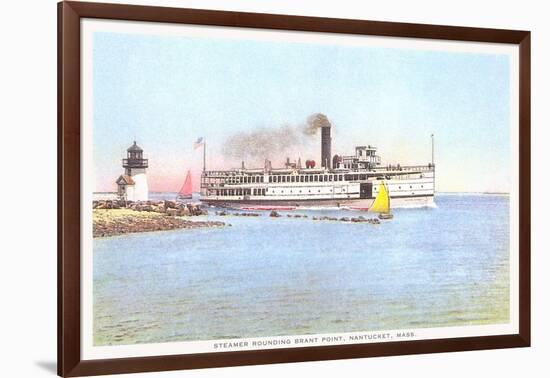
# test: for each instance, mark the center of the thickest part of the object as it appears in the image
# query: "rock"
(274, 214)
(249, 214)
(194, 209)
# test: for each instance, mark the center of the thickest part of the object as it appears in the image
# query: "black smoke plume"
(275, 143)
(315, 122)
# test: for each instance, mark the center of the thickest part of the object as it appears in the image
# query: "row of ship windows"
(312, 178)
(295, 178)
(240, 192)
(256, 192)
(399, 187)
(261, 192)
(298, 178)
(244, 180)
(303, 191)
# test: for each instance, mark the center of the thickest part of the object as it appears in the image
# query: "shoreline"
(111, 219)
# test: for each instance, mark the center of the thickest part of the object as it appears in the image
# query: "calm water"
(428, 267)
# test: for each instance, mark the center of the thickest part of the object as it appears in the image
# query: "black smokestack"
(321, 121)
(325, 146)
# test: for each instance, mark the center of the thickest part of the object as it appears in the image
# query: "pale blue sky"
(167, 91)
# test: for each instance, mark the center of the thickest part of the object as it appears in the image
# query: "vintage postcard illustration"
(259, 189)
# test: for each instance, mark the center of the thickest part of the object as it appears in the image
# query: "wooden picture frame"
(70, 15)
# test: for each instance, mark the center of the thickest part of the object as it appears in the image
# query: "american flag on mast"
(198, 143)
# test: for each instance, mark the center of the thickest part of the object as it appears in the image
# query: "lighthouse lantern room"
(132, 185)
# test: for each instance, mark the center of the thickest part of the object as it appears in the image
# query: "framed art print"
(240, 188)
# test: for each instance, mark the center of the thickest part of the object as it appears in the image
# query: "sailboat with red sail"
(186, 190)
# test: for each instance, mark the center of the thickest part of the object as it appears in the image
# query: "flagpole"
(432, 149)
(433, 163)
(204, 156)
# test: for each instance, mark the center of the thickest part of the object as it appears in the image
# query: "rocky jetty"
(275, 214)
(359, 219)
(112, 217)
(172, 208)
(247, 214)
(224, 213)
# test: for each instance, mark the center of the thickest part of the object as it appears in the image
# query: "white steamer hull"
(358, 204)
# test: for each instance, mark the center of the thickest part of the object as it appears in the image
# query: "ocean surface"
(446, 265)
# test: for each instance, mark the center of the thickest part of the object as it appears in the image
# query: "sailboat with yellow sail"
(381, 204)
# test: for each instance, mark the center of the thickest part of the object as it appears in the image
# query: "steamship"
(341, 181)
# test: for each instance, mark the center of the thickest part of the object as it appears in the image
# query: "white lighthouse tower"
(132, 185)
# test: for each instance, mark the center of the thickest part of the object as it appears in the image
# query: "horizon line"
(442, 192)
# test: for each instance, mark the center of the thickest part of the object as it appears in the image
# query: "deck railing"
(131, 163)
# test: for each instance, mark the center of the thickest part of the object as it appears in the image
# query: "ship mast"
(433, 162)
(432, 149)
